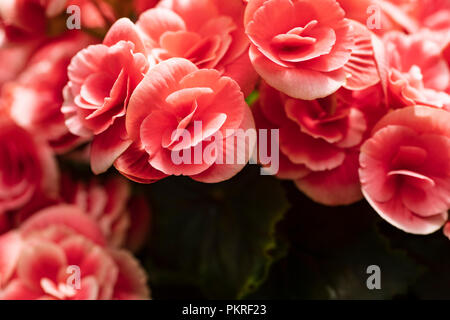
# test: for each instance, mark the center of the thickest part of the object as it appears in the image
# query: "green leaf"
(218, 238)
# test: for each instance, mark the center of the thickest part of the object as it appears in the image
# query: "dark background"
(256, 237)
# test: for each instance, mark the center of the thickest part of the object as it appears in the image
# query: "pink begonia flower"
(207, 32)
(417, 71)
(24, 20)
(380, 16)
(191, 113)
(433, 15)
(123, 218)
(34, 99)
(302, 47)
(13, 57)
(405, 168)
(101, 80)
(27, 167)
(60, 254)
(319, 142)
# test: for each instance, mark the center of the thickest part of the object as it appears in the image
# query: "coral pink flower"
(181, 110)
(405, 168)
(413, 80)
(101, 80)
(423, 14)
(207, 32)
(318, 142)
(60, 253)
(35, 98)
(381, 16)
(13, 57)
(121, 217)
(27, 19)
(27, 167)
(301, 47)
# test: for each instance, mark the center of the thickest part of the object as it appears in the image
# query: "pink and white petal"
(339, 54)
(157, 130)
(186, 162)
(134, 164)
(242, 71)
(357, 127)
(251, 8)
(298, 83)
(75, 248)
(330, 11)
(10, 248)
(40, 260)
(236, 145)
(422, 119)
(67, 216)
(291, 171)
(361, 66)
(316, 154)
(150, 94)
(108, 146)
(17, 290)
(155, 22)
(194, 13)
(124, 30)
(88, 61)
(399, 216)
(427, 202)
(335, 187)
(131, 283)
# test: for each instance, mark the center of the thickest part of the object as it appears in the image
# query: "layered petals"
(404, 169)
(59, 254)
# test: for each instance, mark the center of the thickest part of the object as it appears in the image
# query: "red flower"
(27, 167)
(123, 218)
(413, 80)
(302, 47)
(101, 80)
(176, 98)
(27, 19)
(319, 142)
(207, 32)
(405, 168)
(40, 261)
(34, 100)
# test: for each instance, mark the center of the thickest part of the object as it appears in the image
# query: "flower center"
(295, 39)
(406, 166)
(304, 43)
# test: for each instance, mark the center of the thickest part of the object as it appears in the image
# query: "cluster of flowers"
(358, 89)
